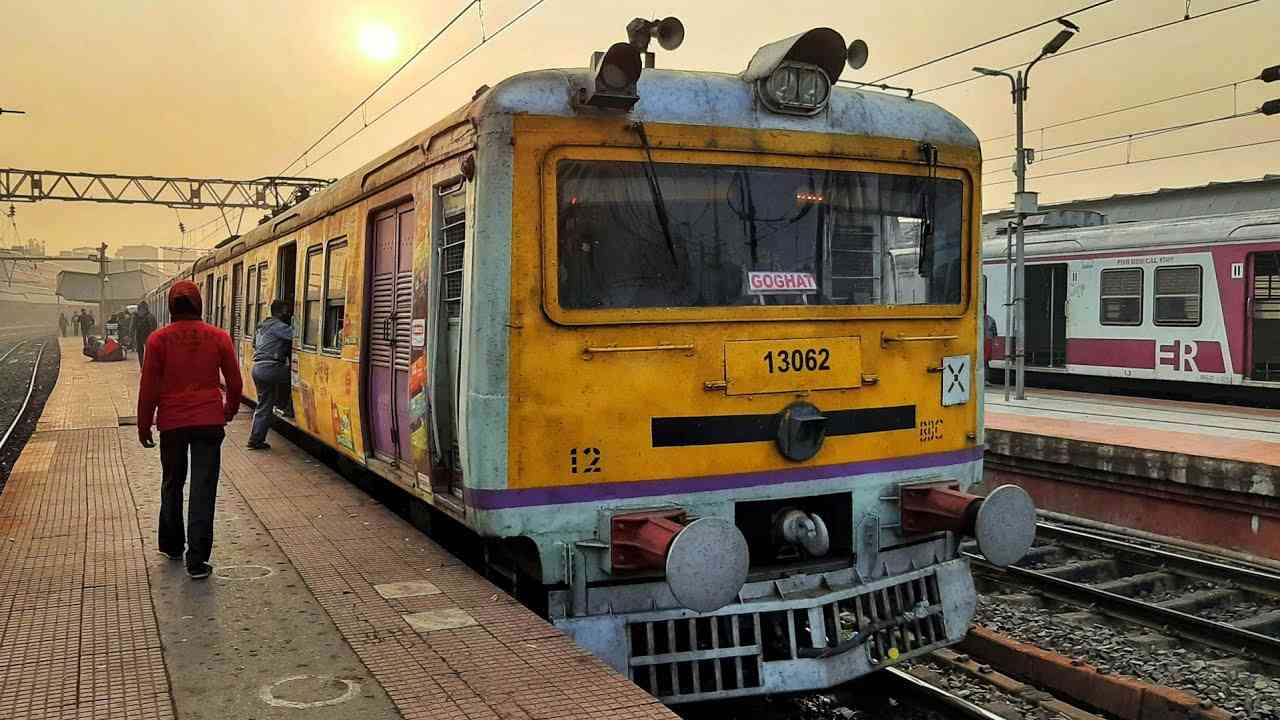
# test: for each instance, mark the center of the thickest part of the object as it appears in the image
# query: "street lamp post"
(1024, 204)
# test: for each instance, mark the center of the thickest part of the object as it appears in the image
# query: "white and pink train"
(1190, 299)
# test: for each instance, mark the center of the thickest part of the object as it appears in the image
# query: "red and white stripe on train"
(1187, 299)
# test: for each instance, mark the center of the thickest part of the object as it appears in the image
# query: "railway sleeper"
(1265, 624)
(1085, 570)
(1202, 599)
(1146, 583)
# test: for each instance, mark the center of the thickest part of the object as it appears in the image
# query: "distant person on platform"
(181, 393)
(272, 344)
(84, 322)
(126, 328)
(62, 323)
(144, 323)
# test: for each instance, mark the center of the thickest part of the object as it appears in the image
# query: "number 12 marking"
(584, 460)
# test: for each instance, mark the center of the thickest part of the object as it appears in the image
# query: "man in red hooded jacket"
(181, 393)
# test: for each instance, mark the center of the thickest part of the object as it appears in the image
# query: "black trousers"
(140, 350)
(205, 447)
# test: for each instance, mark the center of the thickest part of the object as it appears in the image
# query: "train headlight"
(796, 88)
(795, 75)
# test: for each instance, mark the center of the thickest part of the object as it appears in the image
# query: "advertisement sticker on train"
(781, 283)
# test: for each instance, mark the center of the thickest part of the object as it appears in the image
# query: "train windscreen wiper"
(655, 190)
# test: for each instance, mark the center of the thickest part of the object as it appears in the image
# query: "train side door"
(1263, 349)
(388, 336)
(1046, 288)
(446, 346)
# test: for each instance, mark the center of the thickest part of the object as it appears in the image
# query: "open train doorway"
(286, 289)
(1264, 316)
(1047, 315)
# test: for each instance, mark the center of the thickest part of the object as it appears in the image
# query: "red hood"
(188, 290)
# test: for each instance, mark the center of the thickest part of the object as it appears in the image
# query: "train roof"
(1202, 230)
(666, 96)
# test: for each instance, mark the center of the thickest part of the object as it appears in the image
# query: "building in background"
(1216, 198)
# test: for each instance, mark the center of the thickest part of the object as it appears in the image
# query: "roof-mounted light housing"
(794, 75)
(614, 73)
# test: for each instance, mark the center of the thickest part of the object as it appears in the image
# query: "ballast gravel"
(1246, 694)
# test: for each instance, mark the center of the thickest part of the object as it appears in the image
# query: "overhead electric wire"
(1138, 162)
(1117, 111)
(389, 78)
(1124, 137)
(430, 80)
(983, 44)
(1104, 41)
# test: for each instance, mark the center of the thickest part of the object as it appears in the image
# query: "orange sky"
(237, 89)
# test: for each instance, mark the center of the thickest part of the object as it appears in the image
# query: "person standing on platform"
(272, 344)
(180, 393)
(144, 323)
(62, 324)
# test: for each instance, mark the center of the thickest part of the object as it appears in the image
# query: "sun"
(377, 41)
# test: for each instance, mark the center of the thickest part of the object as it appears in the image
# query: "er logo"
(1180, 355)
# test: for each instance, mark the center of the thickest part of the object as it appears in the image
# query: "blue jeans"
(272, 382)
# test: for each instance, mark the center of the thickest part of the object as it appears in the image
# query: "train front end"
(740, 371)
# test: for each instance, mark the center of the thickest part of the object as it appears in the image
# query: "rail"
(1212, 633)
(31, 386)
(938, 697)
(9, 352)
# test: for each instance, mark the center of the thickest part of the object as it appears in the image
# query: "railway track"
(1227, 606)
(26, 380)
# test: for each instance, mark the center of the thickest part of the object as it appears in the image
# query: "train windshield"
(649, 235)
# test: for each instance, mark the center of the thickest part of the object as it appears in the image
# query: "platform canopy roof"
(126, 286)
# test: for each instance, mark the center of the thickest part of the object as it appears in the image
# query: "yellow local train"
(694, 352)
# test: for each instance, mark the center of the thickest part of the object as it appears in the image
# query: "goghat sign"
(780, 283)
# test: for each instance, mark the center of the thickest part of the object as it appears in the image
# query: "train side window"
(1178, 296)
(1120, 297)
(222, 302)
(260, 305)
(314, 271)
(335, 294)
(208, 299)
(250, 300)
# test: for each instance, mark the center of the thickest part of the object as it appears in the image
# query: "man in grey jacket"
(272, 344)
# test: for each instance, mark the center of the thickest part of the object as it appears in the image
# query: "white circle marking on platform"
(267, 692)
(221, 572)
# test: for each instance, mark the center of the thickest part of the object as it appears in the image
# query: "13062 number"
(788, 361)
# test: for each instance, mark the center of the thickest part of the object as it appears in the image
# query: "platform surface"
(1246, 435)
(324, 604)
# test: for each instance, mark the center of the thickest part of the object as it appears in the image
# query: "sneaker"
(199, 571)
(258, 446)
(172, 556)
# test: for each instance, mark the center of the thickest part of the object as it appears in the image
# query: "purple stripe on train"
(485, 499)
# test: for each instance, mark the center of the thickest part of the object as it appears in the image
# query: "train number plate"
(773, 366)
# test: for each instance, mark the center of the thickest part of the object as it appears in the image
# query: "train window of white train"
(1120, 297)
(314, 271)
(1178, 295)
(335, 294)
